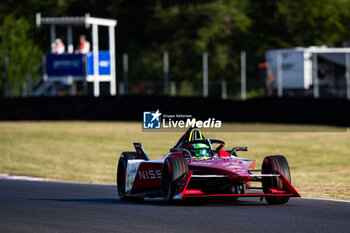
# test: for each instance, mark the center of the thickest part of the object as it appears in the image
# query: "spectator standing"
(84, 45)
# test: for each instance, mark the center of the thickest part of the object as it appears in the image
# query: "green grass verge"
(88, 151)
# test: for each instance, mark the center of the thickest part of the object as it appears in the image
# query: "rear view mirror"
(238, 148)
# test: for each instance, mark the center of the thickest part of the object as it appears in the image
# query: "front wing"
(183, 192)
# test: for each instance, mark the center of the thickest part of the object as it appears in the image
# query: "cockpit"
(194, 145)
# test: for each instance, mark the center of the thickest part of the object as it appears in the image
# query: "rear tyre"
(172, 171)
(121, 173)
(278, 163)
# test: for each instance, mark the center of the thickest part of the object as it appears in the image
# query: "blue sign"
(104, 63)
(64, 64)
(152, 120)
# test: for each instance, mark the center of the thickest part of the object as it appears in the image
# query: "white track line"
(28, 178)
(40, 179)
(325, 199)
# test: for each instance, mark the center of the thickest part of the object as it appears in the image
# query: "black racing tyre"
(271, 163)
(121, 172)
(172, 171)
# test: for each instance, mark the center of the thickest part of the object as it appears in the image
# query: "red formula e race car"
(197, 167)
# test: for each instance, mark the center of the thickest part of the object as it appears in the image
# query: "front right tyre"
(121, 176)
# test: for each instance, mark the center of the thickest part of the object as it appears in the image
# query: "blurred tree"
(27, 9)
(23, 54)
(314, 22)
(190, 28)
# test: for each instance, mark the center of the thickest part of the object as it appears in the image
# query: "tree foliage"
(22, 52)
(186, 29)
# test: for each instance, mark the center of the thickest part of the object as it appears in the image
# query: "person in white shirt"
(59, 47)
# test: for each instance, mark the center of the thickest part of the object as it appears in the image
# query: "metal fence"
(238, 87)
(216, 89)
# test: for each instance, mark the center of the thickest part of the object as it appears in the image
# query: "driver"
(201, 150)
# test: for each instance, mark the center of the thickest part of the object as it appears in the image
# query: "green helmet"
(201, 150)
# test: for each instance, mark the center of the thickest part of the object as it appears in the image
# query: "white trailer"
(297, 68)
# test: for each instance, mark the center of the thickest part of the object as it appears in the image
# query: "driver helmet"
(201, 150)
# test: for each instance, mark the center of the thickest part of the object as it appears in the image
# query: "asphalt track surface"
(29, 206)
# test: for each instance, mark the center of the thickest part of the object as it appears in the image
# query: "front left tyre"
(174, 168)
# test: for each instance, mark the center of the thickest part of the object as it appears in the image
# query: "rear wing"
(140, 151)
